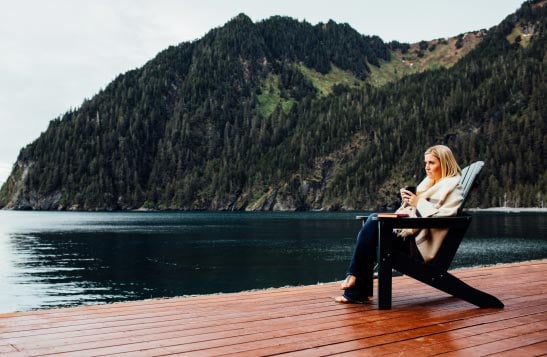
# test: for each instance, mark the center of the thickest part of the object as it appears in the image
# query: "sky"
(56, 53)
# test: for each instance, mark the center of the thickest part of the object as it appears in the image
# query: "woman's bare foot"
(344, 300)
(341, 299)
(349, 282)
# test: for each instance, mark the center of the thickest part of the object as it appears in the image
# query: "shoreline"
(508, 210)
(473, 210)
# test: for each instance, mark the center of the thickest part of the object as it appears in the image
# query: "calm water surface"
(54, 259)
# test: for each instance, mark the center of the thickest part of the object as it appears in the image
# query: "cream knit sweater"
(440, 199)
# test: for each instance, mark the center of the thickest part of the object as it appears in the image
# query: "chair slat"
(469, 174)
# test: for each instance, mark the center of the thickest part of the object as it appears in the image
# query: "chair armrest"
(426, 222)
(364, 218)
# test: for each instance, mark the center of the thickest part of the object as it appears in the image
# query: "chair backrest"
(452, 241)
(469, 174)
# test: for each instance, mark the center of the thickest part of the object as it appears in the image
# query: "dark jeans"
(364, 258)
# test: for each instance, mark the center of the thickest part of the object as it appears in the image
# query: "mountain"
(285, 115)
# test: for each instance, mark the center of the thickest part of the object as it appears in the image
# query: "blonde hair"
(449, 166)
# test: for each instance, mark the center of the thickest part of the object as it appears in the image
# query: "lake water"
(55, 259)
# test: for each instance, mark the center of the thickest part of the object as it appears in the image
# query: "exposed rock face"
(11, 195)
(37, 202)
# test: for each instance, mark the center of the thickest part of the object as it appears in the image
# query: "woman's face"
(433, 167)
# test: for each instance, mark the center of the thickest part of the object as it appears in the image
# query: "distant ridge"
(285, 115)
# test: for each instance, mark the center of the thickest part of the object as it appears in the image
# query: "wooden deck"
(300, 321)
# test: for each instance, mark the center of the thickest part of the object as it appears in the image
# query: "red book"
(392, 215)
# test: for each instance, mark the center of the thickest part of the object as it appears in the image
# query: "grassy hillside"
(425, 55)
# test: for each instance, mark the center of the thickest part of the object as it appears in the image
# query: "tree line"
(188, 130)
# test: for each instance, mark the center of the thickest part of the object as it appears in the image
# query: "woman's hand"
(409, 197)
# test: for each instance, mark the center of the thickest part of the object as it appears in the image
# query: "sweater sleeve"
(442, 199)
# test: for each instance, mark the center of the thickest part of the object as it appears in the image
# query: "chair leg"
(446, 282)
(384, 266)
(454, 286)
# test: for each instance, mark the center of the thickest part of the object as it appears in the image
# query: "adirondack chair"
(433, 273)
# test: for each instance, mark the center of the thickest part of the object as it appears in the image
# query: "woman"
(439, 194)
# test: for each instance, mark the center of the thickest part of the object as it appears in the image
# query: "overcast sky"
(56, 53)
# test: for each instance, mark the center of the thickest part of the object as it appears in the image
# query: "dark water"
(52, 259)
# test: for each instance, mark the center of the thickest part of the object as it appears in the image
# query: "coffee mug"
(411, 189)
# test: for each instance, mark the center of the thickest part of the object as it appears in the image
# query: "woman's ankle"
(349, 282)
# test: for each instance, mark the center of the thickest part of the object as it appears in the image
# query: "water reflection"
(503, 238)
(51, 259)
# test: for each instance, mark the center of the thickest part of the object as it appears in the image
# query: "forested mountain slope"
(285, 115)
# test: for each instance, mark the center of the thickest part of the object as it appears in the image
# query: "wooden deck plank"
(400, 341)
(363, 336)
(472, 344)
(537, 349)
(298, 321)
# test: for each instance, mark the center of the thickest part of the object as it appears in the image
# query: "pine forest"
(286, 115)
